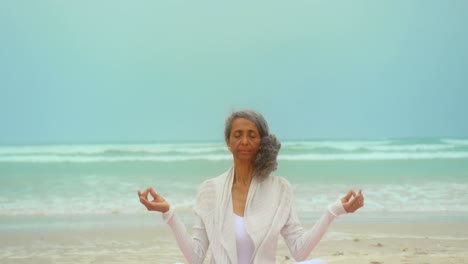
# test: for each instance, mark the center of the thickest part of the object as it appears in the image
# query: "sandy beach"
(344, 243)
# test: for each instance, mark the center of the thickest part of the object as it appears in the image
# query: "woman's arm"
(193, 247)
(301, 242)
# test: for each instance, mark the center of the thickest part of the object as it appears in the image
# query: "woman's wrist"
(337, 208)
(168, 214)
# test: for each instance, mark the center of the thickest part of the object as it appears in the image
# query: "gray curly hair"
(265, 161)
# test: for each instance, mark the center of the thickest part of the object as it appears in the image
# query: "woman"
(242, 212)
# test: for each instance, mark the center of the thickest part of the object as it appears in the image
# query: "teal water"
(92, 181)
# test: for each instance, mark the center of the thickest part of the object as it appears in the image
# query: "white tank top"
(245, 246)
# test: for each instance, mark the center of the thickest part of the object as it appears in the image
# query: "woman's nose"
(244, 140)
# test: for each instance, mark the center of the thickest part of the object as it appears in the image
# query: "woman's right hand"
(352, 201)
(157, 204)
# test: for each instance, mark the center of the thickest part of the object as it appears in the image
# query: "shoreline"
(32, 223)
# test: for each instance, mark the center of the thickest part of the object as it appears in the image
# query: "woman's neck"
(243, 172)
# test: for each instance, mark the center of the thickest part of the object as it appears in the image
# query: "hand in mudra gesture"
(352, 201)
(157, 204)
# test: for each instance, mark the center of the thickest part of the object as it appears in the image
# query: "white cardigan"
(269, 212)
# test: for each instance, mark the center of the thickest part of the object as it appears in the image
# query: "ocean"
(85, 185)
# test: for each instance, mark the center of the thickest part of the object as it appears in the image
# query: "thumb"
(348, 196)
(153, 193)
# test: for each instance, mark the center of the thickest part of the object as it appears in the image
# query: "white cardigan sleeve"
(194, 247)
(301, 242)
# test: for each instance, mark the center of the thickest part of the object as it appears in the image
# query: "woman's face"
(244, 139)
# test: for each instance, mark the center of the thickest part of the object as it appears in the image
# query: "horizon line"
(141, 142)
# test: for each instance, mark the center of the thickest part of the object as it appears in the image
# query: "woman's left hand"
(352, 201)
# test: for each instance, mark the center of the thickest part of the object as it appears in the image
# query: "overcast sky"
(138, 71)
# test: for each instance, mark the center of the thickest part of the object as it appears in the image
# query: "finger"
(357, 199)
(349, 195)
(145, 193)
(360, 197)
(139, 193)
(152, 206)
(153, 193)
(352, 207)
(359, 204)
(143, 200)
(146, 203)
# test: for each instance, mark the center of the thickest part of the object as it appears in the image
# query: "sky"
(154, 71)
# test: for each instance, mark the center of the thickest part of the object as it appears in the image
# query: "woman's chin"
(244, 157)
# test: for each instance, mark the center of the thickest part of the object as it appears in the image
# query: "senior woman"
(242, 212)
